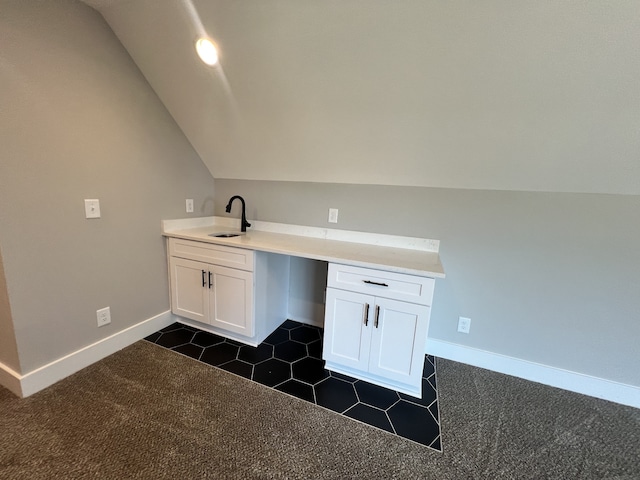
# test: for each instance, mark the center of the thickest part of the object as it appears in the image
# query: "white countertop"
(385, 252)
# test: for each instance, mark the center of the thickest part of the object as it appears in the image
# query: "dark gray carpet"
(147, 412)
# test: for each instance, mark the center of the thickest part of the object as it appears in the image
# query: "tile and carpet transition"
(290, 360)
(146, 412)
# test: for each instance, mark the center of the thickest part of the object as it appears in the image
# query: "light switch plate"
(92, 208)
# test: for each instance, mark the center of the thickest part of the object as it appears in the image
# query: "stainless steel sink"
(225, 235)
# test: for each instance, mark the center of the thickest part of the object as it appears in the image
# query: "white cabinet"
(189, 293)
(376, 326)
(216, 285)
(347, 336)
(231, 300)
(219, 296)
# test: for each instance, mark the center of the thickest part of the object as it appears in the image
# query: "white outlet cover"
(333, 215)
(92, 208)
(104, 316)
(464, 324)
(189, 205)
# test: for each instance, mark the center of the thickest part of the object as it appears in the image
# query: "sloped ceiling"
(499, 94)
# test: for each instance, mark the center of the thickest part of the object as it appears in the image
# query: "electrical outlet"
(104, 316)
(464, 324)
(189, 205)
(333, 215)
(92, 208)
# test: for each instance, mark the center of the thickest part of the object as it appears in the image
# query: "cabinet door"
(189, 292)
(347, 333)
(398, 340)
(231, 300)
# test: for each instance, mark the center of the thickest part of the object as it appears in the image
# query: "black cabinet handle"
(366, 314)
(375, 283)
(375, 323)
(210, 284)
(204, 280)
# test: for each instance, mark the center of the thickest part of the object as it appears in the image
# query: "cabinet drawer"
(212, 253)
(398, 286)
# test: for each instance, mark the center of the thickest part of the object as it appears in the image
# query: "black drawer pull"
(210, 284)
(204, 280)
(375, 283)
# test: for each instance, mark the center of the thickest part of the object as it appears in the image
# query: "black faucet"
(244, 224)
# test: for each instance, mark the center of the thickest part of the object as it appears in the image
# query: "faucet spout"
(244, 224)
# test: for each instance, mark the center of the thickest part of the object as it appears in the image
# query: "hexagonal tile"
(189, 327)
(305, 334)
(279, 335)
(290, 351)
(153, 337)
(254, 355)
(169, 328)
(175, 338)
(190, 350)
(346, 378)
(309, 370)
(413, 422)
(335, 395)
(289, 324)
(206, 339)
(437, 444)
(290, 360)
(219, 354)
(376, 396)
(433, 381)
(297, 389)
(429, 395)
(314, 349)
(428, 369)
(272, 372)
(370, 416)
(433, 408)
(239, 368)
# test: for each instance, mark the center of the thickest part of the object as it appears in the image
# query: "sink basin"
(225, 235)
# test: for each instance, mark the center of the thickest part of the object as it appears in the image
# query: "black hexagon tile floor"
(290, 360)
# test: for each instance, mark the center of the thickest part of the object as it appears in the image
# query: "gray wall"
(78, 120)
(550, 278)
(8, 347)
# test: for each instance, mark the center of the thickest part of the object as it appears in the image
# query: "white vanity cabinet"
(219, 296)
(376, 326)
(223, 287)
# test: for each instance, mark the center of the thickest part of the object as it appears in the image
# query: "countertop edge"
(382, 252)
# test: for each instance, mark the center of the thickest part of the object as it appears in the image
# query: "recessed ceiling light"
(207, 51)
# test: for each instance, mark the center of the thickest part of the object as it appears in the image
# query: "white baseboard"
(10, 379)
(556, 377)
(40, 378)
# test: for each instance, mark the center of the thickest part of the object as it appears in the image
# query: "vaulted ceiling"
(491, 95)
